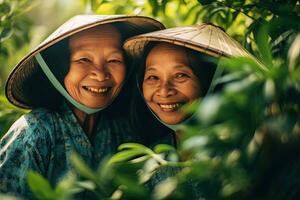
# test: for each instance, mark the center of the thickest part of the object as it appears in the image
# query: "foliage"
(8, 114)
(223, 154)
(170, 12)
(218, 154)
(41, 188)
(14, 29)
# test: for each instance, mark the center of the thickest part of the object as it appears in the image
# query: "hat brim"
(193, 37)
(14, 89)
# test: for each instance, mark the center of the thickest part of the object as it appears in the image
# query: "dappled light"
(243, 141)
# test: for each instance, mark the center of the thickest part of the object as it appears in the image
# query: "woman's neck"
(86, 121)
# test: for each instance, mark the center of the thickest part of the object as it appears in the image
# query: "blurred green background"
(245, 143)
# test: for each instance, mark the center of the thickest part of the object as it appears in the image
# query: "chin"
(96, 105)
(172, 121)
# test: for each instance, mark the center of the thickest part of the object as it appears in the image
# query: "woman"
(174, 55)
(69, 81)
(179, 68)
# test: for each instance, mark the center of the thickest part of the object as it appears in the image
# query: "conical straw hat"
(206, 38)
(20, 89)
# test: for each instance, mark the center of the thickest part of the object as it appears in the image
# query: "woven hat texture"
(206, 38)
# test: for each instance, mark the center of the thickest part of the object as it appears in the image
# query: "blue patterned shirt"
(43, 141)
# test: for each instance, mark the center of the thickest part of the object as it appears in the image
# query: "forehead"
(166, 53)
(164, 47)
(100, 34)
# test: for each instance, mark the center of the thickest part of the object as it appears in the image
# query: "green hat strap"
(61, 89)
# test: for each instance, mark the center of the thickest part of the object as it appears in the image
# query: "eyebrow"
(85, 48)
(150, 69)
(182, 66)
(179, 66)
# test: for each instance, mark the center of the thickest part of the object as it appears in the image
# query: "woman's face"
(169, 82)
(97, 66)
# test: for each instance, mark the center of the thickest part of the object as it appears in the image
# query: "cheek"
(68, 81)
(195, 92)
(192, 90)
(69, 84)
(119, 75)
(147, 92)
(76, 73)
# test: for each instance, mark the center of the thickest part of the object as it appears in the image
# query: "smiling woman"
(72, 82)
(179, 67)
(96, 74)
(169, 83)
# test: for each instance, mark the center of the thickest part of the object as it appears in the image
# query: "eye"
(83, 60)
(115, 61)
(181, 76)
(152, 77)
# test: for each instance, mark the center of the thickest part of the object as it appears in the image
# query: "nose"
(166, 89)
(100, 73)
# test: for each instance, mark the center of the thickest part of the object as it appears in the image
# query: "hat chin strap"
(61, 89)
(174, 127)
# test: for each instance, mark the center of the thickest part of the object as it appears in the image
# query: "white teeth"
(169, 106)
(99, 90)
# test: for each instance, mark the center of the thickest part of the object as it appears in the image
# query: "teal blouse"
(43, 141)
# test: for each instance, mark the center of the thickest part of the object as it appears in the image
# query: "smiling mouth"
(170, 107)
(95, 90)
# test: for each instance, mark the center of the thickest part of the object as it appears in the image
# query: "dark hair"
(145, 125)
(204, 68)
(43, 92)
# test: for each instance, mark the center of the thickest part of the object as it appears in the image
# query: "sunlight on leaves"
(165, 188)
(40, 186)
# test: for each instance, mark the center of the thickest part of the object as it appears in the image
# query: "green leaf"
(8, 105)
(205, 2)
(136, 146)
(125, 155)
(40, 187)
(155, 7)
(195, 142)
(4, 8)
(140, 159)
(8, 197)
(82, 168)
(294, 53)
(262, 41)
(160, 148)
(66, 187)
(190, 108)
(243, 64)
(165, 188)
(216, 11)
(233, 76)
(87, 185)
(6, 33)
(209, 109)
(269, 90)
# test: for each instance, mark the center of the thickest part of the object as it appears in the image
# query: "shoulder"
(32, 127)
